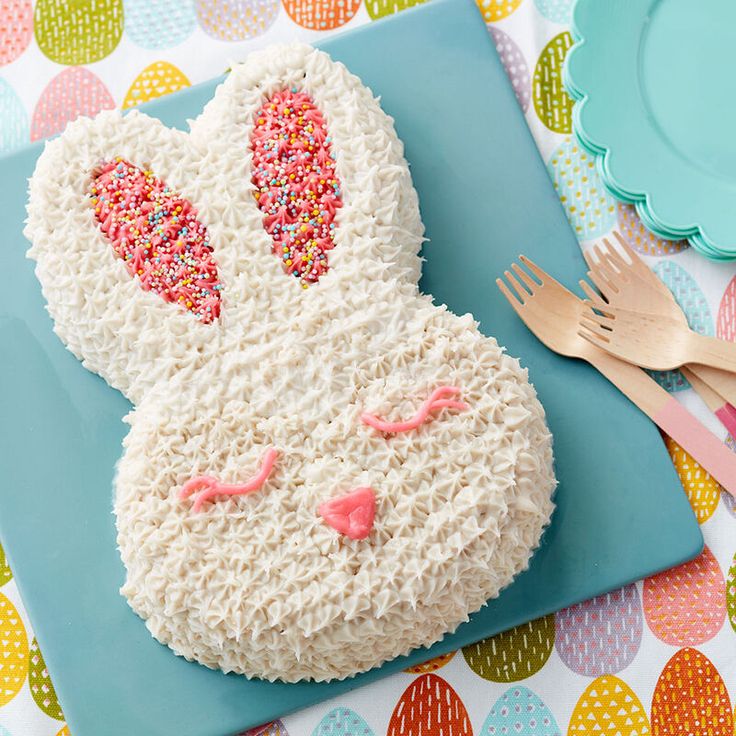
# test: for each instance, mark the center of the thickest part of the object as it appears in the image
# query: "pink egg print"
(515, 65)
(601, 635)
(728, 499)
(75, 91)
(726, 327)
(643, 240)
(686, 605)
(520, 712)
(694, 304)
(13, 119)
(159, 24)
(16, 28)
(236, 20)
(731, 594)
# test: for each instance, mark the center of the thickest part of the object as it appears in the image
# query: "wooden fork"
(553, 314)
(654, 341)
(631, 284)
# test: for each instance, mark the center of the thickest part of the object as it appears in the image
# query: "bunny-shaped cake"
(324, 470)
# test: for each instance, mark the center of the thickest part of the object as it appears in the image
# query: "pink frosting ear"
(157, 233)
(296, 186)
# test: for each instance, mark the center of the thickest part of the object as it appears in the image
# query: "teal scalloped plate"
(651, 80)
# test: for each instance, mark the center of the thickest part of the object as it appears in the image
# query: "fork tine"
(593, 337)
(603, 320)
(599, 278)
(520, 290)
(591, 293)
(512, 300)
(543, 276)
(588, 256)
(525, 277)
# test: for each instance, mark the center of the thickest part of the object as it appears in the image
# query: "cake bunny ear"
(120, 228)
(324, 184)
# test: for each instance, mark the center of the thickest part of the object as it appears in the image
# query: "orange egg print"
(429, 707)
(690, 698)
(608, 706)
(686, 605)
(156, 80)
(431, 665)
(643, 240)
(75, 91)
(702, 490)
(16, 28)
(726, 326)
(494, 10)
(321, 15)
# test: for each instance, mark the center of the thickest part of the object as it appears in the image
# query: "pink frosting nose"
(351, 514)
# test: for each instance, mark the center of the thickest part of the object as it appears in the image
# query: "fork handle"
(722, 382)
(670, 416)
(713, 352)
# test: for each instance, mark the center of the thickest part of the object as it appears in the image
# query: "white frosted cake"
(324, 470)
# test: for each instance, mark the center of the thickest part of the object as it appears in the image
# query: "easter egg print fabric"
(663, 649)
(159, 24)
(601, 635)
(73, 92)
(16, 28)
(78, 32)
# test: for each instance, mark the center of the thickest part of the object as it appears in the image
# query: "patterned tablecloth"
(655, 657)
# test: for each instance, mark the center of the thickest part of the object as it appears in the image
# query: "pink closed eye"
(296, 186)
(434, 402)
(159, 237)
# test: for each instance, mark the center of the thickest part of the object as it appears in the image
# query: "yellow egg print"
(515, 654)
(42, 688)
(551, 101)
(78, 32)
(64, 731)
(13, 651)
(702, 491)
(156, 80)
(431, 665)
(496, 9)
(608, 706)
(6, 575)
(381, 8)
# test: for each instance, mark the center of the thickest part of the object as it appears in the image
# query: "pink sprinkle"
(213, 487)
(296, 185)
(157, 234)
(432, 403)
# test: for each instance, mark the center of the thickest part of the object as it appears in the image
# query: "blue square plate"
(485, 196)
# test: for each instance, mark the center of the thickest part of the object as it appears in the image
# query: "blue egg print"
(342, 722)
(558, 11)
(695, 306)
(159, 24)
(519, 712)
(14, 130)
(4, 731)
(590, 208)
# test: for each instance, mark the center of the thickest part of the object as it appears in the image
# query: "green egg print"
(691, 299)
(731, 594)
(551, 101)
(6, 574)
(513, 655)
(78, 31)
(42, 688)
(381, 8)
(14, 129)
(590, 208)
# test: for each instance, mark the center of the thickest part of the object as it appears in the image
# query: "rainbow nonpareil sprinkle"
(157, 233)
(296, 186)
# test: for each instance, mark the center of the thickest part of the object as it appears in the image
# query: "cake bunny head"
(324, 470)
